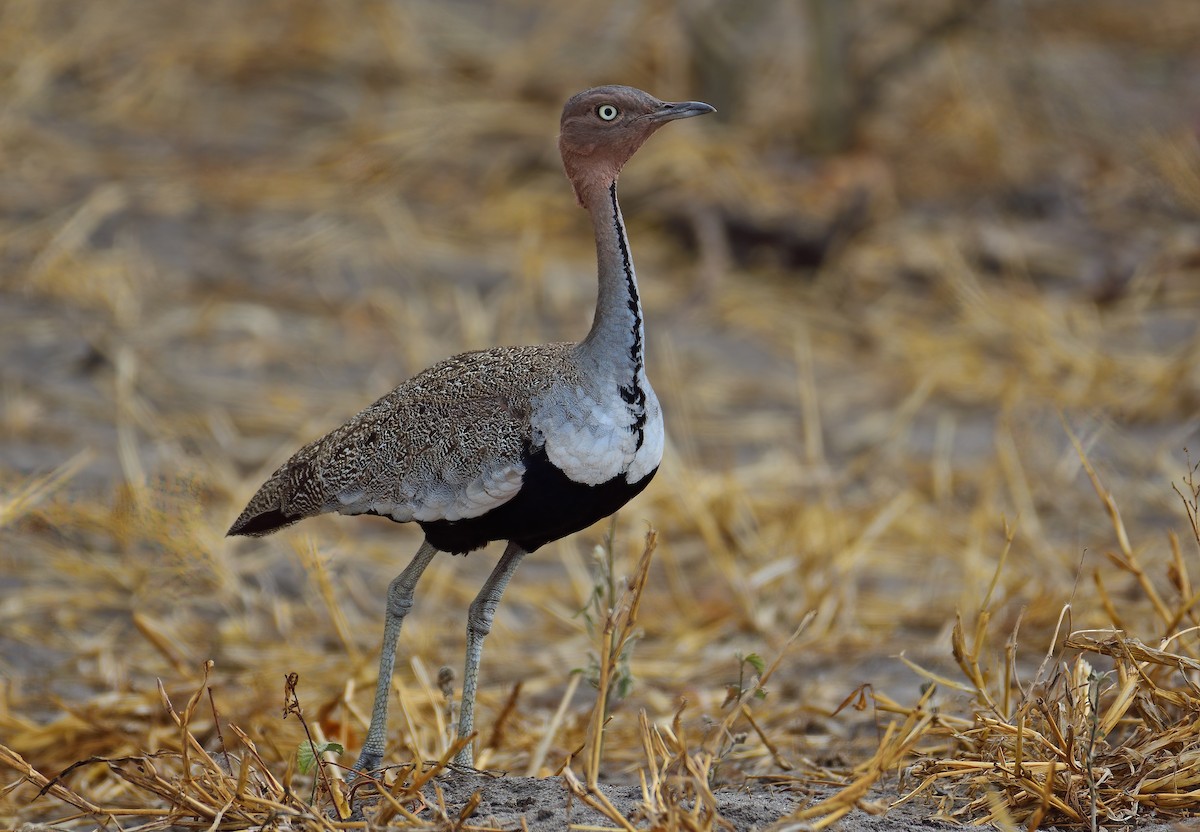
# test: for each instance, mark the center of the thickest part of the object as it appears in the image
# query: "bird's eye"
(607, 112)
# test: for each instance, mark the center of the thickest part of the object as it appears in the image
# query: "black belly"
(548, 506)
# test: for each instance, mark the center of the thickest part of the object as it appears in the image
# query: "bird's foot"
(464, 759)
(367, 762)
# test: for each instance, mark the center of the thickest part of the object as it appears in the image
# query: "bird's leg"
(399, 602)
(479, 624)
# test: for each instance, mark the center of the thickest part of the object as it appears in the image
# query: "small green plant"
(307, 754)
(604, 598)
(309, 751)
(614, 641)
(736, 692)
(749, 683)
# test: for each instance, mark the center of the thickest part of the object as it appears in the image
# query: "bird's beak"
(683, 109)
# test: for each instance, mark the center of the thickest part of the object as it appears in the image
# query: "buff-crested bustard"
(521, 444)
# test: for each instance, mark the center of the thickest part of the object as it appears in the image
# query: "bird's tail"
(282, 500)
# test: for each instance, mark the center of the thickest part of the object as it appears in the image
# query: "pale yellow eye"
(607, 112)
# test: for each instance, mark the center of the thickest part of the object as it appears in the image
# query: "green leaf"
(306, 755)
(755, 661)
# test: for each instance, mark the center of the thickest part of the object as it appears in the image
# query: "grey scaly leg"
(479, 624)
(399, 602)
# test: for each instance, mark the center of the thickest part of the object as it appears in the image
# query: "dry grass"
(1077, 743)
(928, 394)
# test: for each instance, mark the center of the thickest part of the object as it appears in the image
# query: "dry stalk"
(543, 746)
(38, 489)
(1074, 748)
(16, 762)
(619, 626)
(897, 743)
(291, 705)
(407, 790)
(1126, 559)
(594, 797)
(676, 791)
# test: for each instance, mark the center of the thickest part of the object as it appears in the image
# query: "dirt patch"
(545, 804)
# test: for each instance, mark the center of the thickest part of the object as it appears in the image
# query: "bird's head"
(604, 126)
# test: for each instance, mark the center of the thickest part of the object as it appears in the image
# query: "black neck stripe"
(632, 393)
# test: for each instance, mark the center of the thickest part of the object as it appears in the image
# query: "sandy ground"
(546, 805)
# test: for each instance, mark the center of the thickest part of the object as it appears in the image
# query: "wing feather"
(447, 444)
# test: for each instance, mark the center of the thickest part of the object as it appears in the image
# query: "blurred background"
(918, 246)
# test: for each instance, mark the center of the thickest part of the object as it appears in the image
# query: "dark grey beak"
(682, 109)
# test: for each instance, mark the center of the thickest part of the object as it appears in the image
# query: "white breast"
(592, 438)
